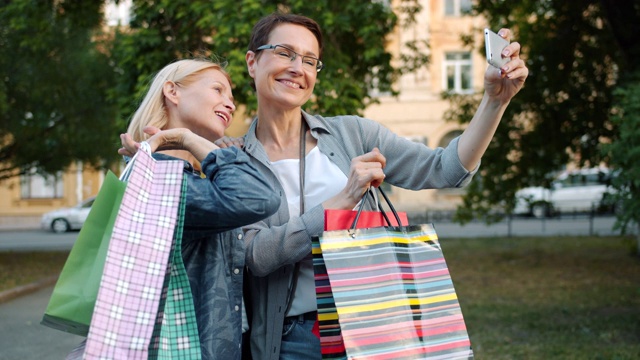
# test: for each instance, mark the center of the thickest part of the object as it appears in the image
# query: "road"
(36, 240)
(23, 338)
(21, 335)
(565, 226)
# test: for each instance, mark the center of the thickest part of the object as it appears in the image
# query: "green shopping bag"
(74, 295)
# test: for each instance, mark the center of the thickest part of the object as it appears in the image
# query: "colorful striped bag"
(327, 327)
(393, 295)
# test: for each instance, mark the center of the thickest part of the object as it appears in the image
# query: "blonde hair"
(152, 110)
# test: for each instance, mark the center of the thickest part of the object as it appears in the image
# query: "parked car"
(580, 190)
(66, 219)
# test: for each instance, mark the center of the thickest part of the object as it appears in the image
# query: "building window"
(36, 186)
(118, 14)
(458, 72)
(457, 7)
(374, 80)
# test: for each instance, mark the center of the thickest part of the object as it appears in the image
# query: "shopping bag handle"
(144, 146)
(386, 218)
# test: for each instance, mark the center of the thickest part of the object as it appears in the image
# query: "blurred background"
(72, 72)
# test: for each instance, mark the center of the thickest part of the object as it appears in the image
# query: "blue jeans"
(298, 342)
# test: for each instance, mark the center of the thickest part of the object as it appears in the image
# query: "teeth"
(290, 83)
(222, 116)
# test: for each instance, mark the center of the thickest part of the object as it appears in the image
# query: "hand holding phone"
(494, 44)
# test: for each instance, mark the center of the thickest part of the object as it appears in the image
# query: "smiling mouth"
(223, 116)
(290, 84)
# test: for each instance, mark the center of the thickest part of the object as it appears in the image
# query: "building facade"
(23, 199)
(418, 112)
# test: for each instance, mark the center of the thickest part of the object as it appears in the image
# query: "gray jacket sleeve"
(410, 165)
(270, 247)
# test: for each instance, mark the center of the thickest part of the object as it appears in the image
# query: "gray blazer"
(275, 244)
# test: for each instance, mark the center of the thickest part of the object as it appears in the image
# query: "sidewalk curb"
(8, 228)
(11, 294)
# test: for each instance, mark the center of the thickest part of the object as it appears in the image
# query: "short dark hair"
(263, 28)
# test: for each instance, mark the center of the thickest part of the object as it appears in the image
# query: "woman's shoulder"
(339, 122)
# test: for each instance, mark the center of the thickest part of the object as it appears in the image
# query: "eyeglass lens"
(285, 52)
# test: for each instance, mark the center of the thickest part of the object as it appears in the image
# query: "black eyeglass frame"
(319, 65)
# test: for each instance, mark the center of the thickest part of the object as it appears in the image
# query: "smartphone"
(494, 44)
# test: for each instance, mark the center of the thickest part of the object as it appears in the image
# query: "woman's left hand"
(366, 170)
(171, 139)
(504, 84)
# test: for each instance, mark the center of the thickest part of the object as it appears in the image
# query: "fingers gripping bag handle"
(371, 191)
(126, 173)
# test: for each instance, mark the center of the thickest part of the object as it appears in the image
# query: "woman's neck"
(279, 133)
(278, 127)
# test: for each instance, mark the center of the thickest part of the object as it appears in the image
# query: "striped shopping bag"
(144, 307)
(393, 294)
(327, 327)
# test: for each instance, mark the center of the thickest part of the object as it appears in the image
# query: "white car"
(66, 219)
(581, 190)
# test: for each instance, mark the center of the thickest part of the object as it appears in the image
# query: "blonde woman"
(188, 106)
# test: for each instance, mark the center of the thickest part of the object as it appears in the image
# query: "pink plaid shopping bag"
(131, 287)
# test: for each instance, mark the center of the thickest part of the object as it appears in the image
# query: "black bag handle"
(393, 210)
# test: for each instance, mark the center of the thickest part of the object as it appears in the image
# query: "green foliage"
(625, 151)
(575, 54)
(53, 83)
(61, 99)
(355, 52)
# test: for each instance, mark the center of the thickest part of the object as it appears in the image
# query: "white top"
(322, 181)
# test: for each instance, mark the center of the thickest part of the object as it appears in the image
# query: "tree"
(53, 83)
(578, 53)
(625, 153)
(355, 46)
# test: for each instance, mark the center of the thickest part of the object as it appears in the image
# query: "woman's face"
(279, 81)
(204, 106)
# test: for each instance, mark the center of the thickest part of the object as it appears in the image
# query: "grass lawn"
(522, 298)
(548, 298)
(22, 268)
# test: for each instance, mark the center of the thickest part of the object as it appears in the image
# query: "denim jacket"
(233, 194)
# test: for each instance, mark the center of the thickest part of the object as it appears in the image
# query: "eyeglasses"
(285, 53)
